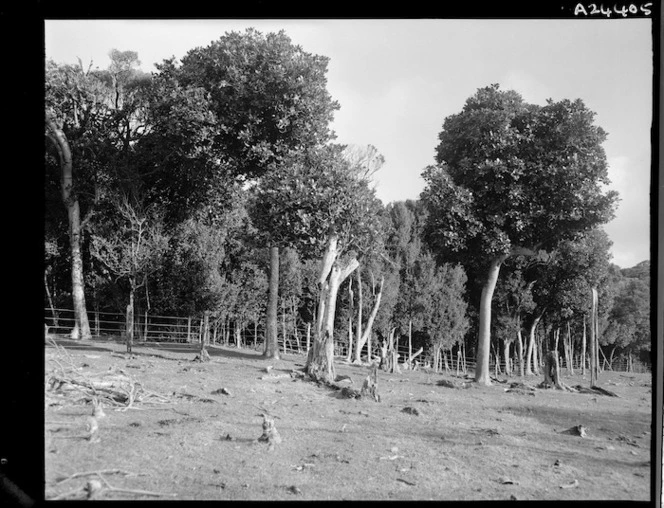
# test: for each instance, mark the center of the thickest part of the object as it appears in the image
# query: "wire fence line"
(292, 340)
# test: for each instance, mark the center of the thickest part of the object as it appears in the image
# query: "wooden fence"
(149, 328)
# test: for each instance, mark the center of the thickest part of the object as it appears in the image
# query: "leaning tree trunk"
(271, 349)
(50, 301)
(81, 323)
(531, 356)
(320, 361)
(482, 375)
(367, 329)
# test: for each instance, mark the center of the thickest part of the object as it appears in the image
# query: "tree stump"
(552, 371)
(370, 384)
(270, 434)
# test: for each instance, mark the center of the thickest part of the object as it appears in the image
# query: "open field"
(184, 438)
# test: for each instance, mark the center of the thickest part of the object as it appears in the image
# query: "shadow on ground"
(185, 349)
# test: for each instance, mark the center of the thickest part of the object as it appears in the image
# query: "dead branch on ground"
(114, 388)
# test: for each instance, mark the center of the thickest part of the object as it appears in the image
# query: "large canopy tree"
(269, 97)
(90, 131)
(513, 178)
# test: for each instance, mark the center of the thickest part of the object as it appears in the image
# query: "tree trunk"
(570, 345)
(611, 356)
(531, 355)
(552, 370)
(130, 321)
(594, 361)
(410, 341)
(482, 375)
(349, 356)
(81, 323)
(320, 361)
(539, 343)
(308, 337)
(238, 334)
(271, 349)
(206, 329)
(366, 335)
(50, 301)
(358, 326)
(506, 355)
(520, 344)
(583, 348)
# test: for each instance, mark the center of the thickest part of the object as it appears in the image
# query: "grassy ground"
(477, 443)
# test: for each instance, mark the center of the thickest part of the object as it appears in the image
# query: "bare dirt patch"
(197, 435)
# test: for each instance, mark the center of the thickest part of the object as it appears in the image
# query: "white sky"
(397, 80)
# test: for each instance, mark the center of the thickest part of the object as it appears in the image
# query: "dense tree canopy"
(513, 178)
(186, 175)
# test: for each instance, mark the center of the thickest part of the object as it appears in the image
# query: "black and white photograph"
(351, 259)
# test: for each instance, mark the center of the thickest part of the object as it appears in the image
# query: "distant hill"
(640, 271)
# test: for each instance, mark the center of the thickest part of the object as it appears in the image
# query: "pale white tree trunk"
(594, 329)
(271, 346)
(358, 325)
(81, 323)
(506, 356)
(583, 348)
(520, 344)
(482, 375)
(531, 355)
(349, 356)
(367, 329)
(410, 341)
(320, 361)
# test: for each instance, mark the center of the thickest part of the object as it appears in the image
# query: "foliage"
(132, 247)
(229, 150)
(268, 95)
(629, 326)
(443, 308)
(511, 174)
(314, 195)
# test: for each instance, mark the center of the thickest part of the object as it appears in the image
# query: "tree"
(628, 327)
(562, 287)
(316, 204)
(87, 125)
(513, 178)
(442, 304)
(513, 300)
(269, 97)
(57, 136)
(74, 100)
(130, 250)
